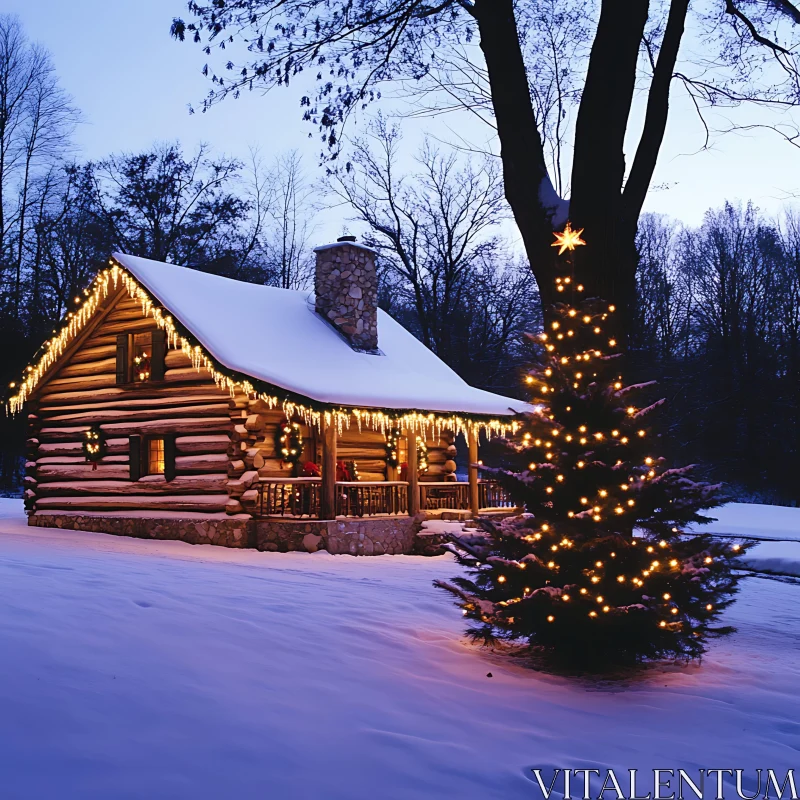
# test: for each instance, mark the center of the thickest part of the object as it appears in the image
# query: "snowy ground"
(134, 669)
(779, 526)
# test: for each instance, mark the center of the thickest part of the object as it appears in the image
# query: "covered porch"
(325, 497)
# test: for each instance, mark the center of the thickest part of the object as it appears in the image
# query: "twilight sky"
(133, 84)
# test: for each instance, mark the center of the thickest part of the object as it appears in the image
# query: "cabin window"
(141, 358)
(155, 457)
(152, 455)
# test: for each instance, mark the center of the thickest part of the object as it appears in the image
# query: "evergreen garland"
(290, 442)
(422, 455)
(393, 447)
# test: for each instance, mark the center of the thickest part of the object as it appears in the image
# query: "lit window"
(142, 353)
(155, 457)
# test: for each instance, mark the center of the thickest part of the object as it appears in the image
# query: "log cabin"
(178, 404)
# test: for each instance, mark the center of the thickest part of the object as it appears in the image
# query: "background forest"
(718, 315)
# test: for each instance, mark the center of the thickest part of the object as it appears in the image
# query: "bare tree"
(437, 232)
(288, 229)
(168, 207)
(36, 121)
(737, 51)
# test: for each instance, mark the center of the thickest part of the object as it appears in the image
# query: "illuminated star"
(567, 239)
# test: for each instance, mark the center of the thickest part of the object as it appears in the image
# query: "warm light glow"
(568, 239)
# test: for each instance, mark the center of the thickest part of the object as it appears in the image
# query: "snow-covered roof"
(274, 335)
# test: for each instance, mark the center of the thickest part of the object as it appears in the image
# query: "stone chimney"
(346, 287)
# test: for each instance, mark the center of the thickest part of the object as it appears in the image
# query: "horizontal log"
(352, 435)
(81, 384)
(202, 444)
(50, 412)
(80, 460)
(141, 391)
(125, 313)
(210, 462)
(100, 367)
(83, 472)
(352, 452)
(127, 326)
(371, 476)
(152, 485)
(94, 353)
(188, 374)
(140, 414)
(63, 434)
(167, 426)
(177, 358)
(271, 415)
(98, 339)
(113, 446)
(202, 502)
(105, 366)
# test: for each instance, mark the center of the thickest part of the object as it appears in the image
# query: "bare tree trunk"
(524, 169)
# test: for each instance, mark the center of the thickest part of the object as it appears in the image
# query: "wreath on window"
(94, 445)
(393, 447)
(290, 442)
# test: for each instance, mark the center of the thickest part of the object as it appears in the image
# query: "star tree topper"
(567, 239)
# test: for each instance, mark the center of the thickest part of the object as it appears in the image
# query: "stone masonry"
(231, 532)
(346, 287)
(357, 537)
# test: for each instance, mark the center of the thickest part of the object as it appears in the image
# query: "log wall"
(83, 392)
(223, 444)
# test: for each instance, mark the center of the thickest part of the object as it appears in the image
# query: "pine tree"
(570, 576)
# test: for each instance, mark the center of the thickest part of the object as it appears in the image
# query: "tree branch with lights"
(601, 570)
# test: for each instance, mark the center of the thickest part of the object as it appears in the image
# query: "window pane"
(155, 457)
(142, 353)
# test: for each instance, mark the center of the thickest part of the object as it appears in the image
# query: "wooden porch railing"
(301, 497)
(370, 498)
(493, 495)
(289, 497)
(454, 496)
(443, 494)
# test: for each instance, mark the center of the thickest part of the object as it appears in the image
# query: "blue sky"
(134, 83)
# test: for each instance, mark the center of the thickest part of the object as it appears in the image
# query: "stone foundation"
(358, 537)
(223, 532)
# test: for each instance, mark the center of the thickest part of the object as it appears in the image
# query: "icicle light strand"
(428, 425)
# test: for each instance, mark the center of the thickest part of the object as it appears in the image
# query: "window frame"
(139, 456)
(125, 358)
(148, 441)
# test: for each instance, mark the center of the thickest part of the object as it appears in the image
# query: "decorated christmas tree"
(600, 571)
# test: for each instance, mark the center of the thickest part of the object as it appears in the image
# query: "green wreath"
(94, 444)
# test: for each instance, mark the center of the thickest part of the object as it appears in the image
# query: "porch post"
(472, 442)
(329, 469)
(413, 474)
